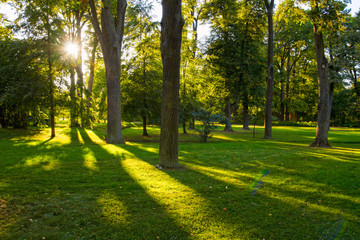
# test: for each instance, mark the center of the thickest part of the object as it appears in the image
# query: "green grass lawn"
(77, 187)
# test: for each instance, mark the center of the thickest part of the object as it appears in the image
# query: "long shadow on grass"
(141, 211)
(112, 199)
(231, 208)
(73, 200)
(289, 207)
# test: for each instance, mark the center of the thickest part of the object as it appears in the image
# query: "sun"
(71, 48)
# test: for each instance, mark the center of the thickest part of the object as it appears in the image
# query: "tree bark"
(72, 97)
(171, 30)
(332, 85)
(91, 82)
(192, 123)
(78, 66)
(321, 139)
(110, 35)
(228, 112)
(145, 133)
(50, 76)
(270, 78)
(246, 112)
(284, 89)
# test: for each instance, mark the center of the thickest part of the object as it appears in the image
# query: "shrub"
(207, 119)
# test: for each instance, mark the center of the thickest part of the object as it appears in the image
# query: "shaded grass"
(77, 187)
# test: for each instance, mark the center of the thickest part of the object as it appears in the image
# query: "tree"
(74, 12)
(171, 28)
(323, 13)
(292, 44)
(190, 63)
(346, 51)
(44, 22)
(235, 52)
(110, 35)
(24, 93)
(223, 50)
(270, 70)
(142, 86)
(92, 60)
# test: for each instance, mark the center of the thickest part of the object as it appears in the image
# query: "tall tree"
(270, 70)
(292, 40)
(235, 51)
(190, 59)
(94, 42)
(323, 14)
(143, 85)
(25, 87)
(224, 49)
(44, 22)
(79, 12)
(346, 51)
(171, 28)
(110, 34)
(74, 14)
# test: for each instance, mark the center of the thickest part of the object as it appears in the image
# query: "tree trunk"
(227, 111)
(245, 103)
(331, 94)
(284, 89)
(332, 85)
(184, 127)
(112, 69)
(2, 118)
(270, 78)
(145, 133)
(110, 36)
(91, 82)
(78, 67)
(321, 139)
(51, 80)
(171, 30)
(287, 90)
(282, 105)
(72, 98)
(192, 123)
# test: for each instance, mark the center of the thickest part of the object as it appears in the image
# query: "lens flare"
(71, 48)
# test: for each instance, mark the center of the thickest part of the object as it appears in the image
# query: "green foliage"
(141, 80)
(235, 50)
(346, 51)
(24, 84)
(99, 92)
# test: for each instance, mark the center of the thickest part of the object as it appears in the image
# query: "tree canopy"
(226, 75)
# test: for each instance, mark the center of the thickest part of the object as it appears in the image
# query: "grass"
(77, 187)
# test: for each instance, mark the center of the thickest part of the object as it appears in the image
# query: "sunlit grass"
(76, 186)
(113, 209)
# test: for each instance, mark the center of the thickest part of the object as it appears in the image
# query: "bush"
(207, 126)
(294, 124)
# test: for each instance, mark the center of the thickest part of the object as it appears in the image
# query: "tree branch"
(94, 18)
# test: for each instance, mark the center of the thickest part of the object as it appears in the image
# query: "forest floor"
(233, 187)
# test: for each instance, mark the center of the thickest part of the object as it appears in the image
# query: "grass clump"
(76, 186)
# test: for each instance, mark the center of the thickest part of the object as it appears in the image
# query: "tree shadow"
(212, 198)
(63, 201)
(294, 208)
